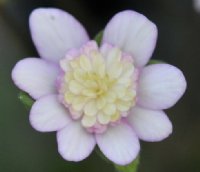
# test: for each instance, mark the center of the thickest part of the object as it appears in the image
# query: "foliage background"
(25, 150)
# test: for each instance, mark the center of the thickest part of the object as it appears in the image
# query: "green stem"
(132, 167)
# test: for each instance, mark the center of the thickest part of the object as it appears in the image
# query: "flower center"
(98, 85)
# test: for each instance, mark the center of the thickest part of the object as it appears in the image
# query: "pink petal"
(133, 33)
(119, 144)
(54, 32)
(196, 4)
(160, 86)
(150, 125)
(74, 142)
(47, 114)
(35, 76)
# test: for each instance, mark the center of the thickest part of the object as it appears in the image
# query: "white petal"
(160, 86)
(196, 4)
(133, 33)
(150, 125)
(119, 144)
(47, 114)
(74, 142)
(54, 32)
(35, 76)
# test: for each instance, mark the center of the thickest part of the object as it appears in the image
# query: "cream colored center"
(100, 89)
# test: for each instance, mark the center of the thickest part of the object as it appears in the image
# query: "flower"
(98, 95)
(196, 4)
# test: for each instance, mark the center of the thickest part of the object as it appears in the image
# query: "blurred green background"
(22, 149)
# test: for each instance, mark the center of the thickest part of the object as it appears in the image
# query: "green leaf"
(25, 99)
(132, 167)
(98, 37)
(155, 62)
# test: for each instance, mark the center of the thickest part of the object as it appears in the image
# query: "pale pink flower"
(196, 4)
(98, 96)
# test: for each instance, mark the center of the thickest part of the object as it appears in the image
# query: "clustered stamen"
(98, 87)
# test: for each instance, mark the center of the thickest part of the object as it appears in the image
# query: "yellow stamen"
(101, 88)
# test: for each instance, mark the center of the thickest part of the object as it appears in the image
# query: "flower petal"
(160, 86)
(196, 4)
(150, 125)
(54, 32)
(119, 144)
(74, 142)
(133, 33)
(47, 114)
(35, 76)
